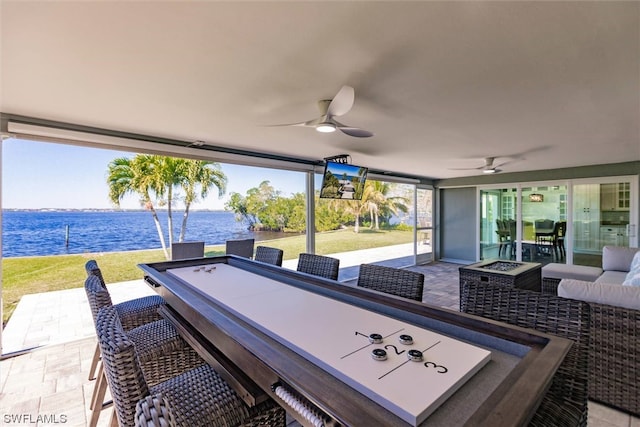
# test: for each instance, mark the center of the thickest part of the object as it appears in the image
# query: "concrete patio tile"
(65, 404)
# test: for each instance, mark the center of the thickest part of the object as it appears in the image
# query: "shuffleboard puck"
(375, 338)
(414, 355)
(378, 354)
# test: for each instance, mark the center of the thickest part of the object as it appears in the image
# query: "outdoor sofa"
(614, 301)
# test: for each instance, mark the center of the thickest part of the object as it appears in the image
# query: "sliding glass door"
(603, 214)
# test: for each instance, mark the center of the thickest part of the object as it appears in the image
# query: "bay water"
(44, 232)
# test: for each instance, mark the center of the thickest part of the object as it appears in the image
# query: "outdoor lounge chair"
(565, 403)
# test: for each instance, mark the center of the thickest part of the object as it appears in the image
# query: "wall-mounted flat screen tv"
(343, 181)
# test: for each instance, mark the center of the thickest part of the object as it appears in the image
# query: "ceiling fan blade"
(308, 123)
(342, 102)
(357, 132)
(287, 124)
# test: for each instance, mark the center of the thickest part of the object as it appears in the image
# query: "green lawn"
(28, 275)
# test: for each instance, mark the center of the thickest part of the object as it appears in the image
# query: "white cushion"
(611, 277)
(618, 257)
(569, 271)
(601, 293)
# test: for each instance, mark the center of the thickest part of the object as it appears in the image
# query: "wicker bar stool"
(565, 403)
(133, 313)
(395, 281)
(319, 265)
(198, 397)
(269, 255)
(162, 353)
(242, 247)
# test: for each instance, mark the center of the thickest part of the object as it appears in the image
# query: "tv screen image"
(343, 181)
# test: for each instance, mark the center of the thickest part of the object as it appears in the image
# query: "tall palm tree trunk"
(156, 220)
(183, 226)
(170, 214)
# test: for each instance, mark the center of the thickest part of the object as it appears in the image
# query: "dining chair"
(565, 402)
(197, 397)
(240, 247)
(187, 250)
(269, 255)
(319, 265)
(395, 281)
(162, 353)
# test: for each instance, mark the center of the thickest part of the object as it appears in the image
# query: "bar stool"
(319, 265)
(404, 283)
(162, 353)
(133, 313)
(197, 397)
(269, 255)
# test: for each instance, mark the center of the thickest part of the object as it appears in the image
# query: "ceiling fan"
(488, 167)
(330, 108)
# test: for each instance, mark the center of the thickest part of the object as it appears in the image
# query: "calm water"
(29, 233)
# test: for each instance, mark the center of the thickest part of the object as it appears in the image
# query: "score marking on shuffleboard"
(412, 372)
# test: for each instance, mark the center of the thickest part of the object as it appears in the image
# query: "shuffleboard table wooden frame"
(506, 392)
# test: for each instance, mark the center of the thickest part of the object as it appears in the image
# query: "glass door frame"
(423, 257)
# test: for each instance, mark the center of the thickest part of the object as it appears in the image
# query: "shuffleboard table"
(333, 354)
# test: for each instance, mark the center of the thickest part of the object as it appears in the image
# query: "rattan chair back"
(269, 255)
(242, 247)
(319, 265)
(124, 375)
(92, 268)
(395, 281)
(187, 250)
(565, 403)
(97, 295)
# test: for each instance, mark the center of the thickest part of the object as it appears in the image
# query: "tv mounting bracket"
(340, 158)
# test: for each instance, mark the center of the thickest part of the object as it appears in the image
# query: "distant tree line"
(264, 208)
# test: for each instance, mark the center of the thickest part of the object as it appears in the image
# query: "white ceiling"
(441, 84)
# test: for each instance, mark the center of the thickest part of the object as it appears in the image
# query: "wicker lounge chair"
(198, 397)
(395, 281)
(319, 265)
(565, 403)
(269, 255)
(243, 247)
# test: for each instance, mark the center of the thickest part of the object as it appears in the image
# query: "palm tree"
(376, 196)
(154, 178)
(203, 175)
(141, 176)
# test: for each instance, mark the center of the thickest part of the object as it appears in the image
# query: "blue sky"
(48, 175)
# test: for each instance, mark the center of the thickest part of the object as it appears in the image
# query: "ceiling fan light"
(326, 127)
(488, 171)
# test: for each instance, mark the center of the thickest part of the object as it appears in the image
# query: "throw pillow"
(635, 263)
(633, 278)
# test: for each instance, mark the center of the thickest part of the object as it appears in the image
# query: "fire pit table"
(521, 275)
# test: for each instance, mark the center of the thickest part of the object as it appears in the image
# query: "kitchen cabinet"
(623, 196)
(615, 197)
(614, 235)
(586, 218)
